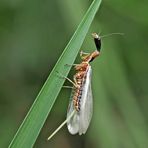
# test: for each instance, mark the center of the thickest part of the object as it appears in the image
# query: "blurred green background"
(33, 34)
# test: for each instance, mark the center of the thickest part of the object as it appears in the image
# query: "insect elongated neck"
(93, 55)
(89, 58)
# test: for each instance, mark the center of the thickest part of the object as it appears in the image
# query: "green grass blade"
(33, 122)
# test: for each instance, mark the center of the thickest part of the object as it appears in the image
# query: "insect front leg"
(83, 53)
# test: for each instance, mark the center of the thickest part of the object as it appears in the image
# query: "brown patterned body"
(79, 79)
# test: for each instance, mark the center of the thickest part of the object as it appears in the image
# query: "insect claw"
(57, 73)
(67, 65)
(60, 75)
(71, 64)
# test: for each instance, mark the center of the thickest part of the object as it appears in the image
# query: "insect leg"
(67, 119)
(71, 64)
(60, 75)
(68, 87)
(83, 53)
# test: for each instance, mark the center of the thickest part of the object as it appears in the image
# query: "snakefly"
(80, 107)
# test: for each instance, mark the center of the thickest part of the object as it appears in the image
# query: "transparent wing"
(73, 122)
(86, 104)
(80, 121)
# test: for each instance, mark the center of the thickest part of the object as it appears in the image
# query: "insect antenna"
(97, 38)
(110, 34)
(68, 118)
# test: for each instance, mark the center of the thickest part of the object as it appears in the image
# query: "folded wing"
(81, 119)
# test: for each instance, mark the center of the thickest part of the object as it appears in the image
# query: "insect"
(80, 107)
(81, 99)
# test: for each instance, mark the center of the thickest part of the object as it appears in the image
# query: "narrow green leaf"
(33, 122)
